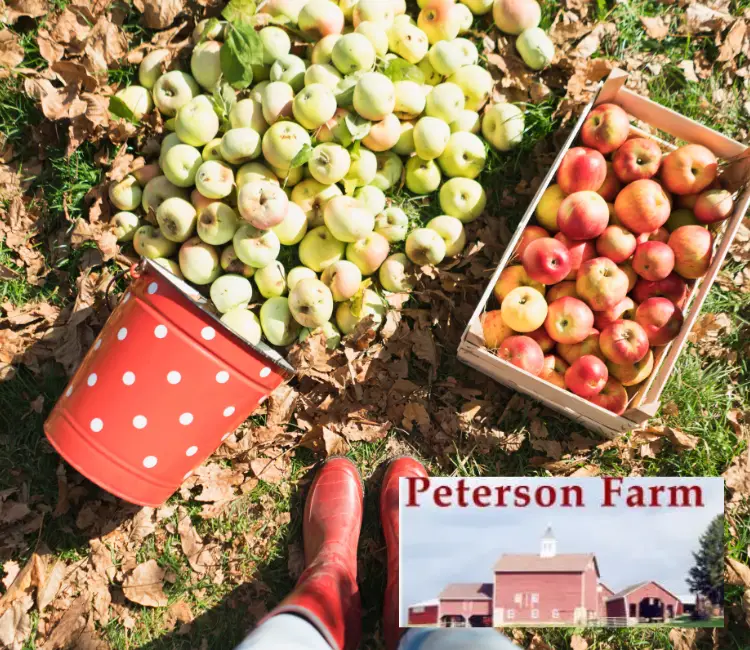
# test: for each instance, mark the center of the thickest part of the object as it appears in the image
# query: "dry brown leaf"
(688, 69)
(281, 405)
(47, 592)
(11, 52)
(656, 27)
(270, 470)
(15, 9)
(732, 44)
(198, 556)
(738, 573)
(159, 14)
(11, 569)
(217, 482)
(746, 606)
(577, 642)
(15, 624)
(700, 18)
(67, 632)
(682, 639)
(415, 415)
(145, 585)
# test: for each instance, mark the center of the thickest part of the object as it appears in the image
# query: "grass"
(703, 391)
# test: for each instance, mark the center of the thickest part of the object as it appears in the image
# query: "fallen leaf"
(15, 9)
(415, 415)
(738, 573)
(15, 624)
(192, 545)
(67, 632)
(51, 586)
(682, 639)
(688, 69)
(732, 45)
(656, 27)
(159, 14)
(281, 405)
(577, 642)
(11, 52)
(145, 585)
(270, 470)
(11, 570)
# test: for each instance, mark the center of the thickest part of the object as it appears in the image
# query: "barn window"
(534, 613)
(418, 610)
(511, 613)
(518, 599)
(534, 598)
(555, 613)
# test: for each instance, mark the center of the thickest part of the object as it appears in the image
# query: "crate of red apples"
(606, 274)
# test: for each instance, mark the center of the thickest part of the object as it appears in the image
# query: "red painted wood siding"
(603, 595)
(616, 608)
(465, 608)
(428, 615)
(650, 590)
(591, 595)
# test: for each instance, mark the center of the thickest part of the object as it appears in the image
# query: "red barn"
(466, 605)
(423, 614)
(548, 588)
(644, 602)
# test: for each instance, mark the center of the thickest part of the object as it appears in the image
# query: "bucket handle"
(135, 273)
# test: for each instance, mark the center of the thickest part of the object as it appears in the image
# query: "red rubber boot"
(399, 467)
(327, 593)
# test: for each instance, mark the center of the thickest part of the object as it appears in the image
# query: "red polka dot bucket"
(164, 384)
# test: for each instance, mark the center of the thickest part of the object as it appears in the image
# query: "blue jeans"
(290, 632)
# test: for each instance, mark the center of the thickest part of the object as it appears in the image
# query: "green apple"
(214, 179)
(332, 335)
(353, 53)
(244, 323)
(329, 163)
(372, 197)
(422, 176)
(146, 173)
(125, 194)
(410, 100)
(468, 121)
(294, 226)
(469, 52)
(124, 225)
(536, 48)
(271, 280)
(311, 303)
(445, 102)
(217, 223)
(347, 8)
(181, 165)
(396, 274)
(343, 278)
(137, 99)
(299, 273)
(363, 168)
(319, 249)
(464, 155)
(151, 67)
(197, 122)
(282, 142)
(158, 190)
(462, 198)
(208, 29)
(319, 18)
(170, 140)
(199, 261)
(276, 101)
(431, 136)
(254, 171)
(476, 84)
(439, 20)
(502, 126)
(290, 69)
(368, 253)
(240, 145)
(431, 76)
(248, 113)
(348, 219)
(408, 41)
(277, 322)
(452, 231)
(170, 265)
(150, 242)
(425, 246)
(465, 18)
(212, 150)
(393, 224)
(322, 51)
(374, 96)
(230, 292)
(257, 248)
(478, 7)
(384, 134)
(375, 11)
(205, 64)
(313, 106)
(262, 204)
(176, 218)
(376, 34)
(445, 57)
(348, 314)
(312, 196)
(276, 43)
(389, 171)
(288, 178)
(233, 264)
(405, 144)
(322, 73)
(335, 130)
(173, 90)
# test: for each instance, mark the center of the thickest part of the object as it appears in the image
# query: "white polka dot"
(98, 344)
(160, 331)
(187, 475)
(174, 377)
(128, 378)
(191, 451)
(186, 418)
(229, 410)
(91, 379)
(150, 461)
(96, 425)
(126, 298)
(208, 333)
(225, 436)
(140, 421)
(69, 391)
(152, 288)
(265, 372)
(222, 376)
(122, 333)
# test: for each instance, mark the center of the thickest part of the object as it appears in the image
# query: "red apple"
(661, 319)
(672, 288)
(581, 169)
(611, 186)
(660, 234)
(513, 277)
(523, 352)
(713, 205)
(692, 246)
(631, 374)
(606, 128)
(627, 269)
(494, 329)
(554, 370)
(530, 233)
(653, 260)
(543, 339)
(546, 260)
(689, 169)
(569, 320)
(590, 345)
(638, 158)
(586, 376)
(612, 397)
(642, 206)
(625, 309)
(624, 341)
(562, 289)
(580, 251)
(601, 283)
(616, 243)
(687, 201)
(583, 215)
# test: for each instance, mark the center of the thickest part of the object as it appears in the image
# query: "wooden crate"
(644, 399)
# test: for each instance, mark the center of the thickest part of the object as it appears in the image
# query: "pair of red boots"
(327, 594)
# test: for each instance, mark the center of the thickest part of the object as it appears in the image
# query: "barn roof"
(426, 603)
(467, 591)
(611, 591)
(631, 588)
(531, 563)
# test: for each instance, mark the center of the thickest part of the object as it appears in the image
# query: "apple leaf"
(206, 33)
(223, 100)
(239, 11)
(357, 126)
(345, 89)
(119, 108)
(302, 156)
(242, 49)
(400, 70)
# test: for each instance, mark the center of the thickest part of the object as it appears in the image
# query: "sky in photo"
(444, 545)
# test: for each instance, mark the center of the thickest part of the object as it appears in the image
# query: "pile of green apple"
(521, 18)
(309, 154)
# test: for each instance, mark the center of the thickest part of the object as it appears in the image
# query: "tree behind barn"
(707, 575)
